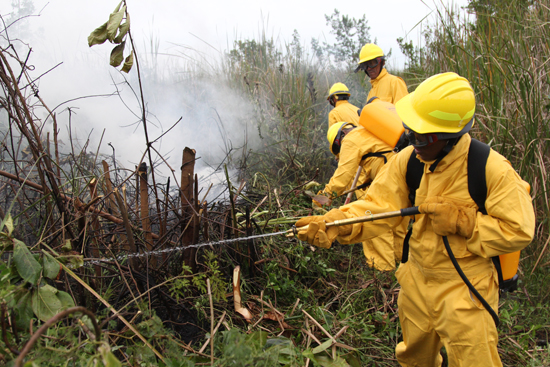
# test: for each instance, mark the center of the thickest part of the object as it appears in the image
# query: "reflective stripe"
(452, 116)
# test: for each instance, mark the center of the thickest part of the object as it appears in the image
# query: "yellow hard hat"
(338, 88)
(370, 51)
(334, 136)
(444, 103)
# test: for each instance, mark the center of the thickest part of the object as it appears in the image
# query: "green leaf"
(109, 359)
(114, 23)
(117, 7)
(123, 30)
(65, 299)
(128, 62)
(88, 322)
(23, 309)
(26, 265)
(45, 303)
(72, 261)
(117, 55)
(51, 267)
(98, 36)
(329, 362)
(322, 347)
(8, 222)
(5, 273)
(67, 246)
(257, 338)
(6, 242)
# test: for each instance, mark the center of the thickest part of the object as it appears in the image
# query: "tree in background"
(351, 34)
(20, 9)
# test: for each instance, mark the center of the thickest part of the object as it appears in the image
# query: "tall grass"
(503, 51)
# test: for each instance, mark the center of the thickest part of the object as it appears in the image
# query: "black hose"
(467, 282)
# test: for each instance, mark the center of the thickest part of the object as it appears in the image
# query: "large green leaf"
(114, 23)
(129, 62)
(65, 299)
(98, 36)
(117, 55)
(45, 303)
(28, 268)
(22, 308)
(51, 267)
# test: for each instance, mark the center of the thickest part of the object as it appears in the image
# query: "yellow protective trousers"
(436, 309)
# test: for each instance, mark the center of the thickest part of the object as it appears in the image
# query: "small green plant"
(24, 285)
(181, 286)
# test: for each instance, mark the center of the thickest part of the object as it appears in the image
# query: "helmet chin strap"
(446, 149)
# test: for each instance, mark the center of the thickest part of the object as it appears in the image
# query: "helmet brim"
(413, 121)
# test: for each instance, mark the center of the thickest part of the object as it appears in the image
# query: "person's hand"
(449, 218)
(317, 233)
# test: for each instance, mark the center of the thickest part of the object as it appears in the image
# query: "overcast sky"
(218, 23)
(59, 35)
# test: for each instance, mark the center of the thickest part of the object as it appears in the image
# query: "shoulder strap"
(377, 154)
(415, 171)
(477, 184)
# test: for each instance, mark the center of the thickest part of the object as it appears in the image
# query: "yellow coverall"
(343, 111)
(435, 306)
(387, 87)
(379, 252)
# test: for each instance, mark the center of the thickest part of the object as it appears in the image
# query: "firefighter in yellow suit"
(338, 97)
(353, 144)
(435, 306)
(387, 87)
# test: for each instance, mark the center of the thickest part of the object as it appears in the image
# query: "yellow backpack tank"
(381, 120)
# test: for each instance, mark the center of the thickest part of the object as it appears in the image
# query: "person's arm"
(510, 221)
(348, 162)
(333, 118)
(388, 192)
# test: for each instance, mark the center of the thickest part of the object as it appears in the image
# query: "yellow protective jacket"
(343, 111)
(387, 87)
(355, 144)
(508, 226)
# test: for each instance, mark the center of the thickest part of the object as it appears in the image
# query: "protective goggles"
(421, 140)
(337, 142)
(335, 148)
(371, 64)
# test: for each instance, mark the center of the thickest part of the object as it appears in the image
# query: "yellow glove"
(449, 218)
(317, 232)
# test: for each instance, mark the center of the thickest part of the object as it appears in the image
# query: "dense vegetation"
(300, 305)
